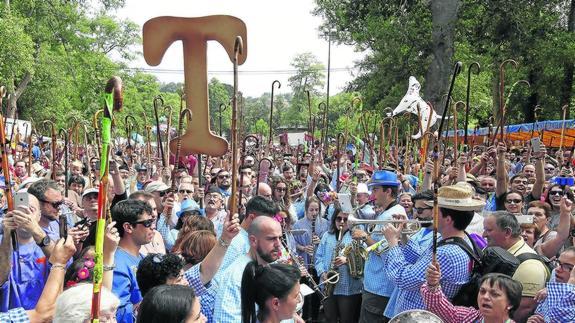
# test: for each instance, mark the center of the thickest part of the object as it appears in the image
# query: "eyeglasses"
(223, 176)
(147, 223)
(186, 191)
(564, 266)
(421, 209)
(340, 219)
(54, 204)
(520, 182)
(560, 193)
(281, 189)
(549, 169)
(513, 201)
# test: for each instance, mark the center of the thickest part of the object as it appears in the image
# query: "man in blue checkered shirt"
(377, 286)
(456, 209)
(559, 303)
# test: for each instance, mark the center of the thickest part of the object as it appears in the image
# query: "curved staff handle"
(502, 97)
(63, 134)
(468, 91)
(456, 71)
(238, 48)
(270, 138)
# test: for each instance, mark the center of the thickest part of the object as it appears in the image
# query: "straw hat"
(457, 197)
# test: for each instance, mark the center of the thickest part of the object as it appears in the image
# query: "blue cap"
(383, 178)
(188, 205)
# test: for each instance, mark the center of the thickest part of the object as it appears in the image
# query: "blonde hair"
(74, 304)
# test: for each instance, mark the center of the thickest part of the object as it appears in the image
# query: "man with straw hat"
(456, 207)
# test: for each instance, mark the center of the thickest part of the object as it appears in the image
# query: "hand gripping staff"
(113, 101)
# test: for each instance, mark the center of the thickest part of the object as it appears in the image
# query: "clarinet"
(312, 257)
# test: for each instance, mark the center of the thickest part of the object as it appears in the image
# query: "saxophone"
(356, 255)
(332, 274)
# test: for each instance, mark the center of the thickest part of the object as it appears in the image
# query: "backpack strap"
(476, 257)
(533, 256)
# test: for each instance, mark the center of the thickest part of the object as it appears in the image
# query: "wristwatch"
(45, 242)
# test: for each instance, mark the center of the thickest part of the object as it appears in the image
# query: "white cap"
(156, 186)
(89, 191)
(362, 188)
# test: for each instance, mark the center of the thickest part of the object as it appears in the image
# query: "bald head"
(263, 224)
(265, 190)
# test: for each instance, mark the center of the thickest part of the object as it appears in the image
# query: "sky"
(276, 31)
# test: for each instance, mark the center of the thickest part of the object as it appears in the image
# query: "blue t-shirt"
(125, 285)
(27, 278)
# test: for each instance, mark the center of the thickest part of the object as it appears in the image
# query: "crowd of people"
(319, 236)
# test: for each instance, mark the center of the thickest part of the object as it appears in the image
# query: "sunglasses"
(421, 209)
(564, 266)
(54, 204)
(213, 174)
(147, 223)
(560, 193)
(549, 169)
(223, 176)
(513, 201)
(186, 191)
(281, 189)
(340, 219)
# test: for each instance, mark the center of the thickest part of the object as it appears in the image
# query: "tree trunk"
(12, 106)
(567, 84)
(444, 17)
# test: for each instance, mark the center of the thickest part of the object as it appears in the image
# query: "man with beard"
(264, 234)
(519, 182)
(28, 277)
(50, 197)
(214, 208)
(255, 208)
(223, 183)
(136, 226)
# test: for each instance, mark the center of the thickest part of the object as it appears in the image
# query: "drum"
(416, 316)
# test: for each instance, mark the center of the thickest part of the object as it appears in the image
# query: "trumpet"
(411, 226)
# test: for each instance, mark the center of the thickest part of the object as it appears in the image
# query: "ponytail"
(260, 283)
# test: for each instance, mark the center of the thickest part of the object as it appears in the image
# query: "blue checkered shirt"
(169, 235)
(15, 315)
(409, 276)
(415, 247)
(375, 281)
(228, 306)
(207, 293)
(559, 306)
(321, 226)
(346, 284)
(239, 246)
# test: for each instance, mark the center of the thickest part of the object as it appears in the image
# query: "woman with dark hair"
(170, 303)
(345, 302)
(498, 298)
(274, 288)
(280, 195)
(554, 195)
(158, 269)
(513, 202)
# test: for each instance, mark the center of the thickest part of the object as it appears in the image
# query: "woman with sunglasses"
(550, 242)
(344, 304)
(280, 196)
(513, 202)
(554, 195)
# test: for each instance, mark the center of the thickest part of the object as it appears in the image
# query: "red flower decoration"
(89, 263)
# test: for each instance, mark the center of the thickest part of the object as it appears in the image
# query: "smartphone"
(63, 226)
(21, 199)
(524, 219)
(536, 144)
